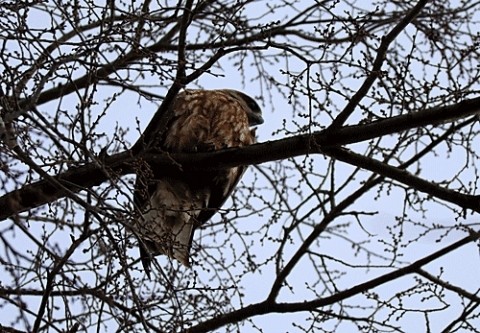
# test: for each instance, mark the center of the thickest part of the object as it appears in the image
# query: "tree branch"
(270, 307)
(404, 177)
(375, 72)
(93, 174)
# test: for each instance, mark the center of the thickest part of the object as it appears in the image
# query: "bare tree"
(358, 211)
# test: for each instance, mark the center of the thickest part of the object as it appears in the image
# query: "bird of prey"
(173, 206)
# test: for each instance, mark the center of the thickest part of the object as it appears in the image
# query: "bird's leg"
(204, 147)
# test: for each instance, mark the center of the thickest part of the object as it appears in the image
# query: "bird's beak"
(255, 119)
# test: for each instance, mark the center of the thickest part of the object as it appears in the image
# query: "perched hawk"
(173, 206)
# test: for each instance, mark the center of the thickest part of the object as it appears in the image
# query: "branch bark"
(93, 174)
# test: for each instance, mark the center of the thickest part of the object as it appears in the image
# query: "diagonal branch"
(93, 174)
(404, 177)
(341, 206)
(456, 289)
(377, 65)
(158, 124)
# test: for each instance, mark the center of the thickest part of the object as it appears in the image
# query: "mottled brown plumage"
(173, 206)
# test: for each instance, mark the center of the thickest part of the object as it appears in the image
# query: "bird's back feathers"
(173, 206)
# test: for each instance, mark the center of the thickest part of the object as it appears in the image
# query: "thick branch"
(77, 179)
(404, 177)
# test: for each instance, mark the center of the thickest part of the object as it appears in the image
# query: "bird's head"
(254, 112)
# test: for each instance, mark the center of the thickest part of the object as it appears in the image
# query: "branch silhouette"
(95, 173)
(270, 306)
